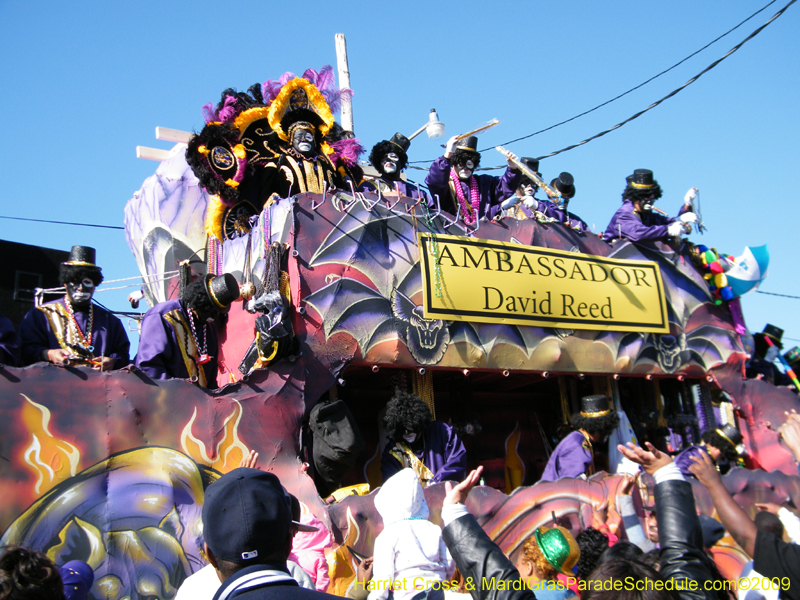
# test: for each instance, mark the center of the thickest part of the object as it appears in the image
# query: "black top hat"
(398, 139)
(222, 289)
(531, 163)
(730, 434)
(82, 256)
(641, 179)
(470, 144)
(564, 184)
(792, 355)
(774, 333)
(595, 406)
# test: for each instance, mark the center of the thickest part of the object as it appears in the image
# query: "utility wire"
(633, 89)
(63, 223)
(781, 295)
(671, 94)
(756, 32)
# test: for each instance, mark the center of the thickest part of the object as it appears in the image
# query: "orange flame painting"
(51, 459)
(230, 450)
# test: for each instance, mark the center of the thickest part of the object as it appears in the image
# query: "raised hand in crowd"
(457, 494)
(250, 461)
(733, 517)
(651, 459)
(790, 433)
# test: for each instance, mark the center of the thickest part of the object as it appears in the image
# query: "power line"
(63, 223)
(781, 295)
(674, 92)
(633, 89)
(639, 86)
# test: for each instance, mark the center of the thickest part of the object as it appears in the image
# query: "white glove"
(675, 229)
(530, 202)
(451, 145)
(688, 217)
(690, 196)
(512, 201)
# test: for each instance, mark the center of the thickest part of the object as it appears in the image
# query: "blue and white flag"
(749, 271)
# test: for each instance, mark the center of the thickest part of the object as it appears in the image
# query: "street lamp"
(434, 127)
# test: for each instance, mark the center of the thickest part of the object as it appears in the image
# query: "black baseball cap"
(247, 515)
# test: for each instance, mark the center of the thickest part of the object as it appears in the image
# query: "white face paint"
(530, 189)
(772, 353)
(464, 171)
(389, 163)
(81, 293)
(647, 205)
(303, 141)
(409, 437)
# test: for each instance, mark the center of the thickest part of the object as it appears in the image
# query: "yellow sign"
(499, 282)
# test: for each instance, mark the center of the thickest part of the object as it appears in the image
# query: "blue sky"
(85, 83)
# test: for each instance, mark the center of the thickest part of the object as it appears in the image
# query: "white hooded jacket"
(410, 550)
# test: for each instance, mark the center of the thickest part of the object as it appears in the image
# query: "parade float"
(501, 327)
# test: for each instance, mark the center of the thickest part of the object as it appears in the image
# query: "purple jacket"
(571, 458)
(444, 454)
(109, 337)
(493, 190)
(160, 355)
(9, 346)
(647, 227)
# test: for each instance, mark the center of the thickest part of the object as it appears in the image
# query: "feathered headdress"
(323, 80)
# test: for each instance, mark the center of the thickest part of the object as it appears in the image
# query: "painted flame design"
(51, 459)
(515, 468)
(229, 451)
(341, 564)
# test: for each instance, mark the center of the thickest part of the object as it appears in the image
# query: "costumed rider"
(461, 192)
(723, 445)
(522, 205)
(179, 337)
(635, 219)
(389, 157)
(761, 364)
(72, 330)
(9, 344)
(564, 187)
(301, 117)
(574, 455)
(416, 441)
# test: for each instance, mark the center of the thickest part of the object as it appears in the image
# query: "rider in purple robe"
(635, 219)
(389, 157)
(451, 179)
(9, 346)
(722, 445)
(73, 330)
(416, 441)
(178, 337)
(574, 455)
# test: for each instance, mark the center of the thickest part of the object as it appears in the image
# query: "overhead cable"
(63, 223)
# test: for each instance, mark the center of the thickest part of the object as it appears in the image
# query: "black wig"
(642, 195)
(77, 273)
(710, 437)
(196, 297)
(406, 411)
(380, 150)
(459, 157)
(603, 425)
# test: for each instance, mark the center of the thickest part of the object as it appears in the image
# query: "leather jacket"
(479, 558)
(681, 540)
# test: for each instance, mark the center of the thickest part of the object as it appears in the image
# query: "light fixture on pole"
(434, 127)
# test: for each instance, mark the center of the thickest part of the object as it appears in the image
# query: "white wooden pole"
(344, 81)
